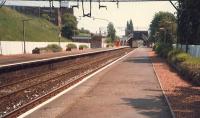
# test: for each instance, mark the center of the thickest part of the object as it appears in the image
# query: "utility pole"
(0, 47)
(165, 34)
(24, 39)
(39, 12)
(60, 22)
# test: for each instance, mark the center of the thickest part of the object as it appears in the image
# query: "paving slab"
(127, 89)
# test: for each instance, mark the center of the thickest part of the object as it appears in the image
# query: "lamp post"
(24, 39)
(165, 34)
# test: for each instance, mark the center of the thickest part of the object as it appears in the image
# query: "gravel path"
(184, 97)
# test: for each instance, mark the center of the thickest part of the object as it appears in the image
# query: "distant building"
(140, 34)
(82, 39)
(137, 38)
(96, 41)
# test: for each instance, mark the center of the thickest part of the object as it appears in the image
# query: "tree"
(167, 22)
(129, 28)
(83, 31)
(69, 25)
(188, 22)
(111, 31)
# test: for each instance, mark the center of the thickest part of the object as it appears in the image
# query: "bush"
(174, 52)
(82, 47)
(187, 65)
(71, 46)
(162, 49)
(54, 48)
(110, 45)
(177, 56)
(191, 69)
(36, 51)
(154, 47)
(181, 57)
(164, 52)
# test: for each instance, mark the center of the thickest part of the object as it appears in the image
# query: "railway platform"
(126, 89)
(12, 59)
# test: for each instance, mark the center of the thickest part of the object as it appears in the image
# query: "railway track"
(25, 83)
(27, 93)
(70, 64)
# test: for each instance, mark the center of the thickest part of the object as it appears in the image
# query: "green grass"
(37, 29)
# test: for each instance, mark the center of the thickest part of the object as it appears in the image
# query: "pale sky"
(140, 12)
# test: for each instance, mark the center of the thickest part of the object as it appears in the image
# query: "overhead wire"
(2, 3)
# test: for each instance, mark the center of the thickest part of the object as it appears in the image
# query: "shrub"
(110, 45)
(181, 57)
(164, 52)
(154, 47)
(187, 65)
(162, 49)
(83, 46)
(174, 52)
(71, 46)
(36, 51)
(157, 48)
(191, 69)
(171, 56)
(54, 48)
(177, 56)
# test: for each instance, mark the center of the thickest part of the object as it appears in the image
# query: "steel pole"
(24, 37)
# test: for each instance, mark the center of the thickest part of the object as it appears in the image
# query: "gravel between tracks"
(183, 96)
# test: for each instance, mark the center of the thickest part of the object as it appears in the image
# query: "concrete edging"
(166, 98)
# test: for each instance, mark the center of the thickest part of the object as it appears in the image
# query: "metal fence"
(194, 50)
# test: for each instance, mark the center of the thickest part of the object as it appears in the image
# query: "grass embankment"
(37, 29)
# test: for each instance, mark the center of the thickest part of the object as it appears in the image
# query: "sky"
(141, 14)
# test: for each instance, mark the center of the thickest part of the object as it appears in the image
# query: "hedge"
(49, 48)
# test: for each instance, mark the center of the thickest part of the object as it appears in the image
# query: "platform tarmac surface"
(127, 89)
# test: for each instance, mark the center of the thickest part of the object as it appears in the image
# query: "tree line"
(182, 29)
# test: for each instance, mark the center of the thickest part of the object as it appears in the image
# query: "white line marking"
(70, 88)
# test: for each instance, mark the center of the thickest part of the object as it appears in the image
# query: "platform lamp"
(24, 38)
(165, 33)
